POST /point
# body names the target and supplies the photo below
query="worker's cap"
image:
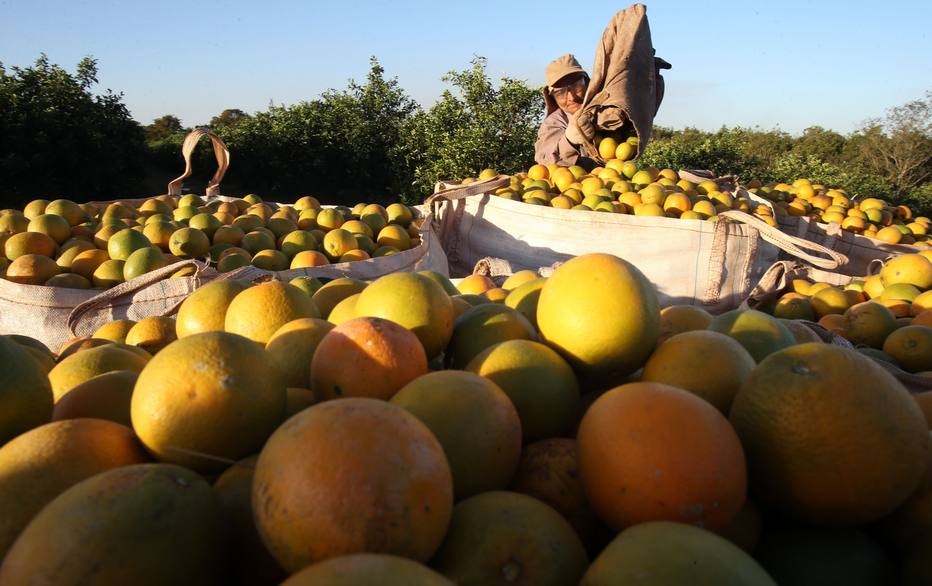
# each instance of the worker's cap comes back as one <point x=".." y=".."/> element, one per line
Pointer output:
<point x="562" y="67"/>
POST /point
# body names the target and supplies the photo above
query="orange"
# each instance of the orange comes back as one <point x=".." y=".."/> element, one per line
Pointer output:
<point x="708" y="364"/>
<point x="86" y="364"/>
<point x="890" y="235"/>
<point x="794" y="306"/>
<point x="68" y="210"/>
<point x="607" y="344"/>
<point x="500" y="537"/>
<point x="830" y="436"/>
<point x="759" y="333"/>
<point x="108" y="274"/>
<point x="524" y="298"/>
<point x="519" y="278"/>
<point x="40" y="464"/>
<point x="549" y="471"/>
<point x="69" y="250"/>
<point x="923" y="319"/>
<point x="292" y="347"/>
<point x="474" y="421"/>
<point x="251" y="560"/>
<point x="24" y="243"/>
<point x="298" y="241"/>
<point x="912" y="269"/>
<point x="868" y="324"/>
<point x="86" y="262"/>
<point x="206" y="399"/>
<point x="115" y="330"/>
<point x="367" y="568"/>
<point x="13" y="223"/>
<point x="189" y="243"/>
<point x="698" y="469"/>
<point x="32" y="269"/>
<point x="105" y="396"/>
<point x="307" y="259"/>
<point x="152" y="333"/>
<point x="335" y="291"/>
<point x="125" y="242"/>
<point x="676" y="319"/>
<point x="913" y="518"/>
<point x="103" y="517"/>
<point x="366" y="357"/>
<point x="921" y="303"/>
<point x="481" y="326"/>
<point x="327" y="484"/>
<point x="329" y="219"/>
<point x="258" y="239"/>
<point x="35" y="207"/>
<point x="143" y="260"/>
<point x="343" y="311"/>
<point x="661" y="552"/>
<point x="538" y="381"/>
<point x="271" y="260"/>
<point x="475" y="284"/>
<point x="56" y="227"/>
<point x="911" y="347"/>
<point x="206" y="223"/>
<point x="258" y="311"/>
<point x="829" y="300"/>
<point x="415" y="302"/>
<point x="25" y="391"/>
<point x="337" y="242"/>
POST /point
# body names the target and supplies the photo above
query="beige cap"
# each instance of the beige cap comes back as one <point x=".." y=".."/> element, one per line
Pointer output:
<point x="561" y="67"/>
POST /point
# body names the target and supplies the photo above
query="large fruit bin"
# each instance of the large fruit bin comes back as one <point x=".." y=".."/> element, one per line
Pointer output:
<point x="711" y="264"/>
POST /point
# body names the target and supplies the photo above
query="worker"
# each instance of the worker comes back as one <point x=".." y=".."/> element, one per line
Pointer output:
<point x="566" y="87"/>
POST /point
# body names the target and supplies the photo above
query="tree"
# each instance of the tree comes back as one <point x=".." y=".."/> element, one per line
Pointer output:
<point x="819" y="142"/>
<point x="479" y="127"/>
<point x="227" y="119"/>
<point x="58" y="139"/>
<point x="898" y="147"/>
<point x="164" y="128"/>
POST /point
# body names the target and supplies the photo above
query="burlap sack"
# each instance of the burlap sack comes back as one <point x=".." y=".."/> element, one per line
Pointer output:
<point x="778" y="279"/>
<point x="714" y="265"/>
<point x="860" y="250"/>
<point x="53" y="315"/>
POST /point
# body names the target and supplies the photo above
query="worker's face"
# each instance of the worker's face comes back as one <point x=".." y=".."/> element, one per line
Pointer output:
<point x="569" y="94"/>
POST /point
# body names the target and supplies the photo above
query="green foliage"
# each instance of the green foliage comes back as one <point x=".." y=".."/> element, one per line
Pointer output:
<point x="57" y="139"/>
<point x="855" y="179"/>
<point x="722" y="153"/>
<point x="480" y="126"/>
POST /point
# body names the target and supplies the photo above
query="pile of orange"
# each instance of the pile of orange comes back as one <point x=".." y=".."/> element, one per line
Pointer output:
<point x="413" y="429"/>
<point x="95" y="246"/>
<point x="870" y="216"/>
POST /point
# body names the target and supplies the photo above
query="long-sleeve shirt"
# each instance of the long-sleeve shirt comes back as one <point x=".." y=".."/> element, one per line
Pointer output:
<point x="552" y="146"/>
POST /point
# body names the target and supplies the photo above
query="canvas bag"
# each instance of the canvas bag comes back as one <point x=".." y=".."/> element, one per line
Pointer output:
<point x="714" y="265"/>
<point x="778" y="279"/>
<point x="860" y="250"/>
<point x="53" y="315"/>
<point x="626" y="85"/>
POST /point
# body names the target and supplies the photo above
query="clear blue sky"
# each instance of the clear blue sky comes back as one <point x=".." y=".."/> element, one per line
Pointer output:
<point x="788" y="65"/>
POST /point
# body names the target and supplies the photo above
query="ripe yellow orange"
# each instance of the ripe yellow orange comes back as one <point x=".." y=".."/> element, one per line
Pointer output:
<point x="23" y="243"/>
<point x="394" y="235"/>
<point x="607" y="147"/>
<point x="474" y="421"/>
<point x="338" y="242"/>
<point x="115" y="330"/>
<point x="830" y="436"/>
<point x="108" y="274"/>
<point x="152" y="333"/>
<point x="86" y="364"/>
<point x="538" y="381"/>
<point x="699" y="468"/>
<point x="32" y="269"/>
<point x="189" y="243"/>
<point x="258" y="311"/>
<point x="415" y="302"/>
<point x="271" y="260"/>
<point x="614" y="331"/>
<point x="125" y="242"/>
<point x="291" y="349"/>
<point x="868" y="324"/>
<point x="54" y="226"/>
<point x="143" y="260"/>
<point x="105" y="396"/>
<point x="24" y="389"/>
<point x="332" y="293"/>
<point x="366" y="357"/>
<point x="911" y="347"/>
<point x="911" y="269"/>
<point x="482" y="326"/>
<point x="68" y="210"/>
<point x="40" y="464"/>
<point x="206" y="399"/>
<point x="307" y="259"/>
<point x="675" y="319"/>
<point x="706" y="363"/>
<point x="760" y="333"/>
<point x="340" y="460"/>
